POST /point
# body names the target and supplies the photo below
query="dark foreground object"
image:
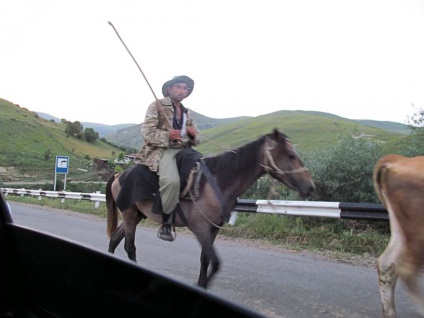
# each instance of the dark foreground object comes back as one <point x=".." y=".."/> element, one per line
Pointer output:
<point x="46" y="276"/>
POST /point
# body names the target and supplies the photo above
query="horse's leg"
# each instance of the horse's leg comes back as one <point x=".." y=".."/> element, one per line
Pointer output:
<point x="116" y="238"/>
<point x="131" y="218"/>
<point x="208" y="256"/>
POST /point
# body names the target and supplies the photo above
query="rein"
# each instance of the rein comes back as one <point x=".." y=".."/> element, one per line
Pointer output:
<point x="204" y="215"/>
<point x="217" y="191"/>
<point x="268" y="159"/>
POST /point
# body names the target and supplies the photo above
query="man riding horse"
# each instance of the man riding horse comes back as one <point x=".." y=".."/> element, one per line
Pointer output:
<point x="167" y="129"/>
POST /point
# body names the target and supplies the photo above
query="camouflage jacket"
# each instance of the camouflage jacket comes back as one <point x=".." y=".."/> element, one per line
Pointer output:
<point x="155" y="131"/>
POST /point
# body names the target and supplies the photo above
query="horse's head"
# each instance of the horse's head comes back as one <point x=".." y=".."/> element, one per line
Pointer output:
<point x="283" y="163"/>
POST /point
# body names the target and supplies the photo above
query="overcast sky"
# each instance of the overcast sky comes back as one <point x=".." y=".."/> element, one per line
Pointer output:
<point x="359" y="59"/>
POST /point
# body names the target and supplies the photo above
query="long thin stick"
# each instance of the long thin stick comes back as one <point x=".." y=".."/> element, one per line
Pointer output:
<point x="158" y="104"/>
<point x="133" y="59"/>
<point x="157" y="101"/>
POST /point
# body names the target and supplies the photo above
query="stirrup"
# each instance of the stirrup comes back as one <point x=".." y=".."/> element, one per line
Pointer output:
<point x="165" y="233"/>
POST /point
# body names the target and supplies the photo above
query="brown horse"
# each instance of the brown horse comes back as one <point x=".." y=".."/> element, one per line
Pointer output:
<point x="234" y="172"/>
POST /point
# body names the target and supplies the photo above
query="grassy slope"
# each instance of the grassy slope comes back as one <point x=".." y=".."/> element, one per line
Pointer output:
<point x="26" y="137"/>
<point x="307" y="130"/>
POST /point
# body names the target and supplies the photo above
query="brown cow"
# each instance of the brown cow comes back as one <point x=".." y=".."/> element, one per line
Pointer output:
<point x="399" y="183"/>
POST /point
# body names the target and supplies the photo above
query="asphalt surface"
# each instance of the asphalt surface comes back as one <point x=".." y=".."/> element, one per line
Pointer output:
<point x="274" y="281"/>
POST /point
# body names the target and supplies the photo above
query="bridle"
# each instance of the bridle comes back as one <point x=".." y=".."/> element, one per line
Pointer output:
<point x="268" y="160"/>
<point x="269" y="164"/>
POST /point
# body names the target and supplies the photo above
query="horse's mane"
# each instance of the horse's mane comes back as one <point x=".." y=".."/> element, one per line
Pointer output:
<point x="240" y="160"/>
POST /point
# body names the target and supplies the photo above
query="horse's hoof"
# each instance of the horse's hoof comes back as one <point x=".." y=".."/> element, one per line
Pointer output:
<point x="165" y="233"/>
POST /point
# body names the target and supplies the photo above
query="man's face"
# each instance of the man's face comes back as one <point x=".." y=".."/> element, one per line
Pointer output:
<point x="178" y="91"/>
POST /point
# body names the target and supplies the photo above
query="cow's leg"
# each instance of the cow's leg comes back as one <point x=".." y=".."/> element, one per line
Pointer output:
<point x="409" y="269"/>
<point x="387" y="274"/>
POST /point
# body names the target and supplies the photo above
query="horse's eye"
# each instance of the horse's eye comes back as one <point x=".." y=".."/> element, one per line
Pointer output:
<point x="292" y="156"/>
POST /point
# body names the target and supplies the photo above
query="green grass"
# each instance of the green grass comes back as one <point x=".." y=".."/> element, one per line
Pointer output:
<point x="309" y="131"/>
<point x="314" y="234"/>
<point x="26" y="138"/>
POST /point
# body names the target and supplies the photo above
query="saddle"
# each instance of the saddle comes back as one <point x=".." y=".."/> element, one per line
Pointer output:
<point x="140" y="183"/>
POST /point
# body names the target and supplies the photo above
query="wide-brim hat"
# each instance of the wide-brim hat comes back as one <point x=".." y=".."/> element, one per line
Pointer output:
<point x="178" y="79"/>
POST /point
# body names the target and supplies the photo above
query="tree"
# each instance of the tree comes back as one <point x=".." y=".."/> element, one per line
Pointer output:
<point x="343" y="173"/>
<point x="120" y="157"/>
<point x="414" y="144"/>
<point x="74" y="129"/>
<point x="90" y="135"/>
<point x="47" y="154"/>
<point x="416" y="122"/>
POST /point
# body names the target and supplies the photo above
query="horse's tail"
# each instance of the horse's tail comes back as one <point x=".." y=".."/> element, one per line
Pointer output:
<point x="112" y="211"/>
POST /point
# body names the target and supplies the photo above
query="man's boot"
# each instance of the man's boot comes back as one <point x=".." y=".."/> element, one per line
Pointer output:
<point x="165" y="230"/>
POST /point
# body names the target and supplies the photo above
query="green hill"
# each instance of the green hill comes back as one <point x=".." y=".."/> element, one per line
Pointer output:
<point x="307" y="130"/>
<point x="26" y="137"/>
<point x="30" y="145"/>
<point x="130" y="136"/>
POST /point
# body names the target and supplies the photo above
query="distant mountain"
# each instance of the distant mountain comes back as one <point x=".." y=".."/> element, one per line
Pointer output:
<point x="102" y="129"/>
<point x="130" y="136"/>
<point x="203" y="122"/>
<point x="105" y="130"/>
<point x="386" y="125"/>
<point x="48" y="117"/>
<point x="311" y="125"/>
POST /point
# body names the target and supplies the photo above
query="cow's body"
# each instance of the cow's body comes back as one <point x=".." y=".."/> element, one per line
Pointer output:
<point x="399" y="183"/>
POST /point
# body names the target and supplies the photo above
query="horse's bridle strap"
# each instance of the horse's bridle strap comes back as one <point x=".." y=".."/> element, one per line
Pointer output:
<point x="274" y="168"/>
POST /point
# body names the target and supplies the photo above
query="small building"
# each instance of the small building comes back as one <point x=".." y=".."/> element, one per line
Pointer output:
<point x="101" y="163"/>
<point x="131" y="158"/>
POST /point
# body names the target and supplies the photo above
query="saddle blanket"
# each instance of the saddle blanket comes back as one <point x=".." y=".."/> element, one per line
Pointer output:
<point x="140" y="183"/>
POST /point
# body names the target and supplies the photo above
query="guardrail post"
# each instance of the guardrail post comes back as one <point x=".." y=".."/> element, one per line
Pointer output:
<point x="233" y="218"/>
<point x="97" y="204"/>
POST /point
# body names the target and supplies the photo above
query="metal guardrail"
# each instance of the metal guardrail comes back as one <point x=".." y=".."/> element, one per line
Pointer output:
<point x="57" y="194"/>
<point x="340" y="210"/>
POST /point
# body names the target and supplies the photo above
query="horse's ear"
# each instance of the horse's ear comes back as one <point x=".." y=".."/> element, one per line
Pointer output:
<point x="277" y="136"/>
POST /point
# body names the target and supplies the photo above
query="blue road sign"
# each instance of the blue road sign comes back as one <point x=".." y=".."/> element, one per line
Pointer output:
<point x="62" y="164"/>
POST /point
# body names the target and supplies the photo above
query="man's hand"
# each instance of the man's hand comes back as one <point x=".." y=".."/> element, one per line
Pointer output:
<point x="192" y="132"/>
<point x="175" y="135"/>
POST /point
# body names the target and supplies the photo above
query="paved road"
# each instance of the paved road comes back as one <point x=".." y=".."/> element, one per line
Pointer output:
<point x="273" y="281"/>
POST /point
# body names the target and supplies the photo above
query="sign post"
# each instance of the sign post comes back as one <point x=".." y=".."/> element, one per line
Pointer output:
<point x="62" y="166"/>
